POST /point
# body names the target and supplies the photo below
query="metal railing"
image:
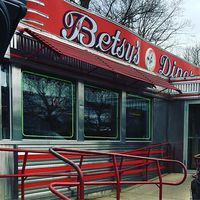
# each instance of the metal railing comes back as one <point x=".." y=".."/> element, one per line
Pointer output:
<point x="192" y="87"/>
<point x="187" y="86"/>
<point x="118" y="171"/>
<point x="80" y="179"/>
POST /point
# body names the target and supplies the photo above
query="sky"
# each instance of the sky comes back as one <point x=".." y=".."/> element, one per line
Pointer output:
<point x="191" y="11"/>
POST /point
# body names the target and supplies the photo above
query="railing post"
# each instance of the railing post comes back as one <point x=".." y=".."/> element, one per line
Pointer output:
<point x="160" y="179"/>
<point x="118" y="188"/>
<point x="120" y="167"/>
<point x="23" y="172"/>
<point x="80" y="178"/>
<point x="146" y="166"/>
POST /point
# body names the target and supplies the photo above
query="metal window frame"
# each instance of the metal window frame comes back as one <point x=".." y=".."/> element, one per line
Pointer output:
<point x="80" y="111"/>
<point x="186" y="127"/>
<point x="1" y="134"/>
<point x="16" y="102"/>
<point x="72" y="102"/>
<point x="117" y="137"/>
<point x="150" y="124"/>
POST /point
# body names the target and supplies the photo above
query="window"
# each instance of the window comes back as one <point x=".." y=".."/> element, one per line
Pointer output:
<point x="101" y="113"/>
<point x="138" y="112"/>
<point x="5" y="115"/>
<point x="47" y="107"/>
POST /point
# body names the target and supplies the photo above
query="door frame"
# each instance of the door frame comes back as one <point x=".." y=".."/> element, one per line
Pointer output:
<point x="186" y="124"/>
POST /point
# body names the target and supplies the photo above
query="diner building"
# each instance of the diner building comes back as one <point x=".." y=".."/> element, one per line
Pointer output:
<point x="74" y="79"/>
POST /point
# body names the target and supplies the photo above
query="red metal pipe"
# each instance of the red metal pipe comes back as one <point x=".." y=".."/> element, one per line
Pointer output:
<point x="118" y="170"/>
<point x="147" y="164"/>
<point x="57" y="193"/>
<point x="76" y="167"/>
<point x="118" y="190"/>
<point x="23" y="177"/>
<point x="167" y="144"/>
<point x="160" y="179"/>
<point x="157" y="160"/>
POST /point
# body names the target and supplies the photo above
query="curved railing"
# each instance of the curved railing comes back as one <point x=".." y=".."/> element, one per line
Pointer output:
<point x="79" y="180"/>
<point x="118" y="170"/>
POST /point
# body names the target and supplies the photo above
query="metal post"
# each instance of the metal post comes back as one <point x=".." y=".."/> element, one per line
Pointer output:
<point x="160" y="179"/>
<point x="118" y="189"/>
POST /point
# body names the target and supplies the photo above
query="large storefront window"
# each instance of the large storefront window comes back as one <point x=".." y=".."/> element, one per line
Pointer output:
<point x="47" y="107"/>
<point x="138" y="112"/>
<point x="101" y="113"/>
<point x="5" y="110"/>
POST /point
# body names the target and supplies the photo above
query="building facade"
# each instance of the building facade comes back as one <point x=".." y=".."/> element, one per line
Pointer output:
<point x="69" y="80"/>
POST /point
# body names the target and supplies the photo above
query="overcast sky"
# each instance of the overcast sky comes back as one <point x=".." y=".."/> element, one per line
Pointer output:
<point x="192" y="12"/>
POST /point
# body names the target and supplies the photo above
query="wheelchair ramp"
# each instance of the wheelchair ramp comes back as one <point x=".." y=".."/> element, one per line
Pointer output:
<point x="150" y="192"/>
<point x="80" y="169"/>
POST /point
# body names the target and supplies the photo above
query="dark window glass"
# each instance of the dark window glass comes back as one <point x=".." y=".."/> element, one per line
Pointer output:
<point x="137" y="117"/>
<point x="101" y="113"/>
<point x="47" y="107"/>
<point x="193" y="134"/>
<point x="5" y="102"/>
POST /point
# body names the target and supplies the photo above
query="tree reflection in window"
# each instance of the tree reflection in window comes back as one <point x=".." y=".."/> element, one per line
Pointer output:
<point x="137" y="117"/>
<point x="47" y="107"/>
<point x="101" y="113"/>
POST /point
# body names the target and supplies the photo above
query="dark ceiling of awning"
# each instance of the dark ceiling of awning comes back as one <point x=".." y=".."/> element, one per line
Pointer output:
<point x="100" y="61"/>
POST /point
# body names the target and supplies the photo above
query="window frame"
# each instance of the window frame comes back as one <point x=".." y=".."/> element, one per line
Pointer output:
<point x="26" y="136"/>
<point x="117" y="137"/>
<point x="150" y="118"/>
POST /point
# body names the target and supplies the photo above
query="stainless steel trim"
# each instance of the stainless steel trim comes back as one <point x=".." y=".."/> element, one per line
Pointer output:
<point x="123" y="117"/>
<point x="16" y="103"/>
<point x="32" y="21"/>
<point x="185" y="138"/>
<point x="10" y="100"/>
<point x="37" y="2"/>
<point x="80" y="111"/>
<point x="38" y="13"/>
<point x="186" y="124"/>
<point x="8" y="186"/>
<point x="1" y="134"/>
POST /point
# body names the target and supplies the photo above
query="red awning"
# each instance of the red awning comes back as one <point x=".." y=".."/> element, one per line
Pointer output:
<point x="101" y="62"/>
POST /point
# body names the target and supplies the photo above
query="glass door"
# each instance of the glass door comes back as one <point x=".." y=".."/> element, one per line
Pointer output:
<point x="193" y="134"/>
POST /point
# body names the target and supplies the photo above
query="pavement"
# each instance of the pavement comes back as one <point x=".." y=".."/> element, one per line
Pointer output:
<point x="151" y="192"/>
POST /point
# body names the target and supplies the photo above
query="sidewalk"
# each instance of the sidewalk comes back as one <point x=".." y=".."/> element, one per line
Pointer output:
<point x="151" y="192"/>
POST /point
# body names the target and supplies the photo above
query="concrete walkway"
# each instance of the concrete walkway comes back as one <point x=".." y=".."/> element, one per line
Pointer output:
<point x="151" y="192"/>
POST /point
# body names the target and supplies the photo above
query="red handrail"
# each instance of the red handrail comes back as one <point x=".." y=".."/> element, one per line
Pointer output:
<point x="23" y="175"/>
<point x="81" y="182"/>
<point x="149" y="147"/>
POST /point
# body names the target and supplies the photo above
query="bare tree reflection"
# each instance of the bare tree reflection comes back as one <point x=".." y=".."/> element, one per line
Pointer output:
<point x="100" y="112"/>
<point x="47" y="106"/>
